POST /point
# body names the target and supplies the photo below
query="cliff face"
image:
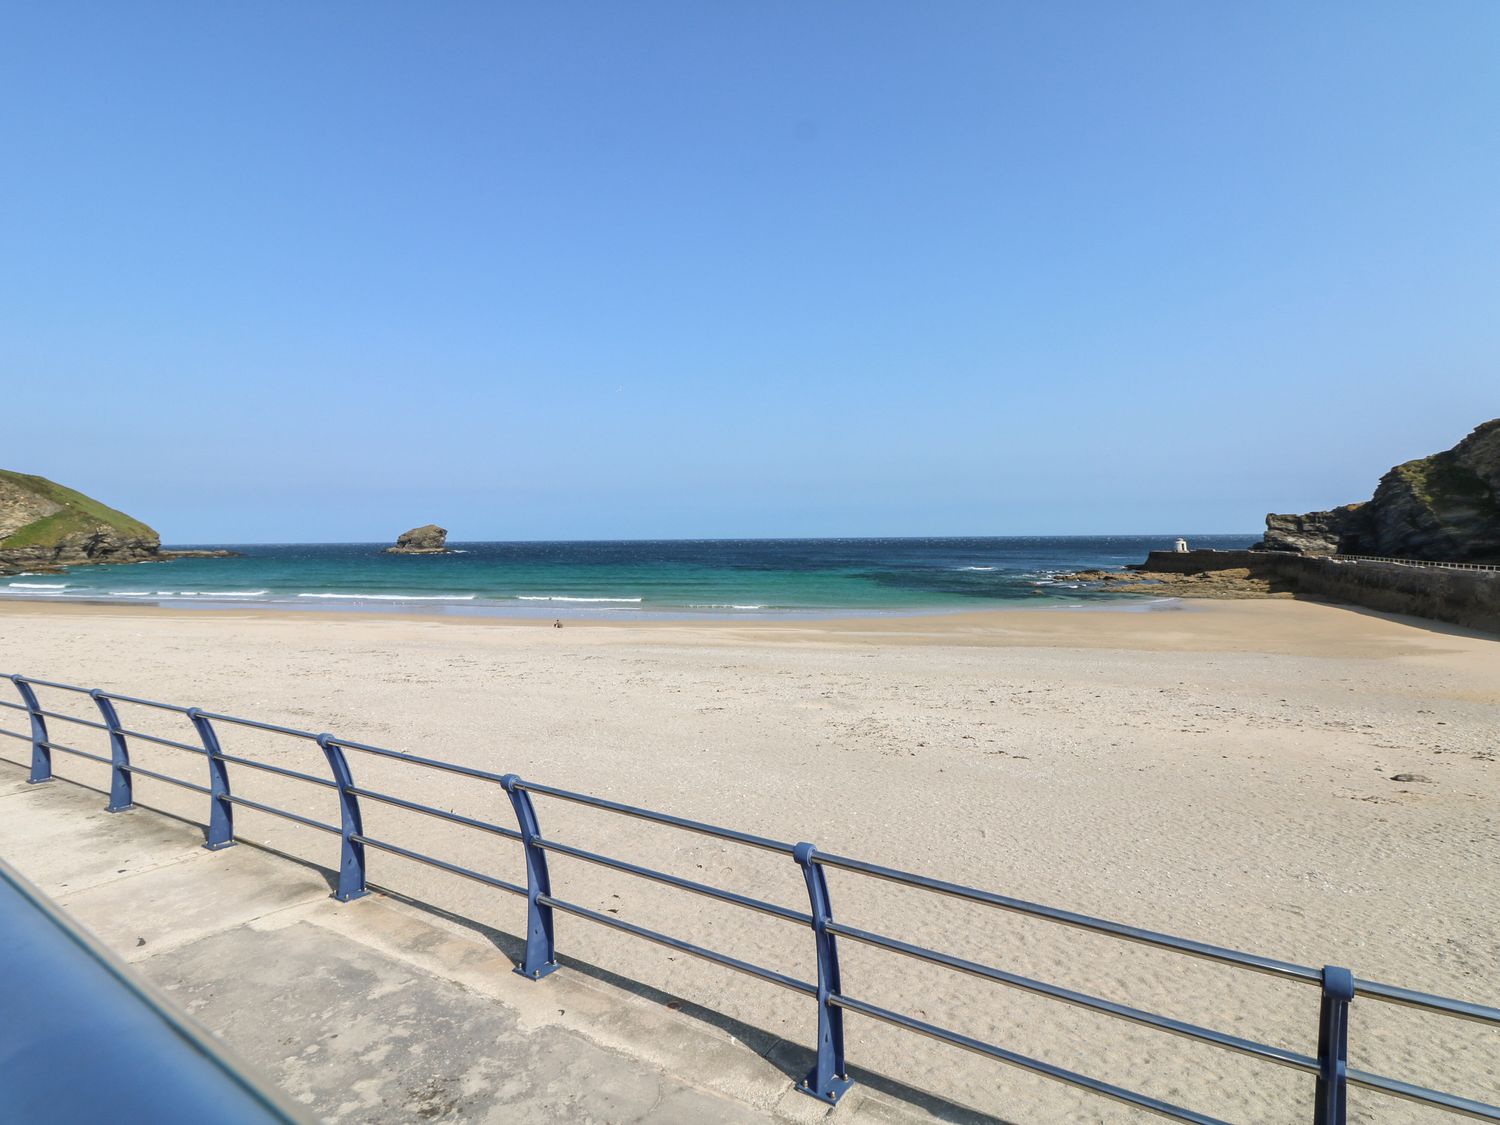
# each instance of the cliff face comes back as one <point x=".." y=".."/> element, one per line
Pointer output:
<point x="1445" y="508"/>
<point x="44" y="525"/>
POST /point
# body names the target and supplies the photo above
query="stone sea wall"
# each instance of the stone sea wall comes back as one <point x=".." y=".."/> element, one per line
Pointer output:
<point x="1470" y="598"/>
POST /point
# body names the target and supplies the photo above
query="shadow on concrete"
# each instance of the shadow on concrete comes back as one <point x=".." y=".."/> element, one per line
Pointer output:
<point x="791" y="1059"/>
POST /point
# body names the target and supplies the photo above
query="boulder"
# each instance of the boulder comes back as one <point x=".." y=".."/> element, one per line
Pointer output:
<point x="429" y="539"/>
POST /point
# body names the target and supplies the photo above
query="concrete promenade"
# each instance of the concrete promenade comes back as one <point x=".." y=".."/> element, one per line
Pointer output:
<point x="381" y="1010"/>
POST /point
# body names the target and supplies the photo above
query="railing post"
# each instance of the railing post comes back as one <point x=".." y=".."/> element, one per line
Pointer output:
<point x="121" y="792"/>
<point x="352" y="852"/>
<point x="41" y="753"/>
<point x="541" y="952"/>
<point x="828" y="1078"/>
<point x="220" y="811"/>
<point x="1333" y="1047"/>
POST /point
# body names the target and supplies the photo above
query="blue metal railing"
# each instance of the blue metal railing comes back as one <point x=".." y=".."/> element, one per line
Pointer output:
<point x="829" y="1077"/>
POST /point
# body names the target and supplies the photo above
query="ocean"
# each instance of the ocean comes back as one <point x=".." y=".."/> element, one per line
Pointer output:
<point x="689" y="578"/>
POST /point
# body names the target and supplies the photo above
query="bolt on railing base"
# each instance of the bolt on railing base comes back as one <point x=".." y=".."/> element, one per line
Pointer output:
<point x="119" y="808"/>
<point x="354" y="896"/>
<point x="536" y="974"/>
<point x="219" y="847"/>
<point x="831" y="1094"/>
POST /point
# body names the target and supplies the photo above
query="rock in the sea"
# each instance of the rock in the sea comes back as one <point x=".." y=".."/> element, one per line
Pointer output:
<point x="1444" y="508"/>
<point x="429" y="539"/>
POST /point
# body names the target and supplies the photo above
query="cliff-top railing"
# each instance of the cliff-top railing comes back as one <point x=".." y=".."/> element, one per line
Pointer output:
<point x="829" y="1076"/>
<point x="1412" y="562"/>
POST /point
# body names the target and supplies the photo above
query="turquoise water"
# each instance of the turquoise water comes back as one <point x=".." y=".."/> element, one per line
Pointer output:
<point x="708" y="577"/>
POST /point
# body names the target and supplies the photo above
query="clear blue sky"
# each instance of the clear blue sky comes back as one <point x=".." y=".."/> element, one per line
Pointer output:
<point x="291" y="271"/>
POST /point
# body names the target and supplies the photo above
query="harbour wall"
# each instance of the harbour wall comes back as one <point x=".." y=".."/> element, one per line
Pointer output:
<point x="1470" y="598"/>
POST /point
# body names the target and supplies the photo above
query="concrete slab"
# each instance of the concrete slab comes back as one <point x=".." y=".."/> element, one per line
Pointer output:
<point x="61" y="837"/>
<point x="385" y="1009"/>
<point x="362" y="1037"/>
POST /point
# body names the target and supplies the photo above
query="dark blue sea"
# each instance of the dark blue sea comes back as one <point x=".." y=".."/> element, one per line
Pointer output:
<point x="713" y="577"/>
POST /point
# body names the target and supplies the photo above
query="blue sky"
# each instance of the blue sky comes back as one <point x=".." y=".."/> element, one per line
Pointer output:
<point x="284" y="271"/>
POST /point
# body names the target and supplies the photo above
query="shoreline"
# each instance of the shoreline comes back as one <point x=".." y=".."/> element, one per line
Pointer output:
<point x="1273" y="626"/>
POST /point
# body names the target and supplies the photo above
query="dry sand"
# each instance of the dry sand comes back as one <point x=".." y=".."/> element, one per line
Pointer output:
<point x="1218" y="771"/>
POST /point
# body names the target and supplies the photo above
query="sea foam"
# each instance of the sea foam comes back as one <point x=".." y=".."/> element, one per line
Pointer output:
<point x="39" y="585"/>
<point x="562" y="598"/>
<point x="397" y="597"/>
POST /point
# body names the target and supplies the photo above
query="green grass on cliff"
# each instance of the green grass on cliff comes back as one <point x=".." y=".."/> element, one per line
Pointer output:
<point x="79" y="514"/>
<point x="1439" y="480"/>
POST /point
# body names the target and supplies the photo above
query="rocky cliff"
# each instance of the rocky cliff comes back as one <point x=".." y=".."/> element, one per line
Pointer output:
<point x="1445" y="508"/>
<point x="44" y="525"/>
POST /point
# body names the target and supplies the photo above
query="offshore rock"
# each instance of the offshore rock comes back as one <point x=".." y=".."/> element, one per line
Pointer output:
<point x="429" y="539"/>
<point x="1442" y="508"/>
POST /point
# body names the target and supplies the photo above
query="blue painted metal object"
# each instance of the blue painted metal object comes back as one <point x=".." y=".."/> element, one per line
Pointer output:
<point x="121" y="791"/>
<point x="829" y="1077"/>
<point x="65" y="996"/>
<point x="351" y="825"/>
<point x="1333" y="1047"/>
<point x="220" y="832"/>
<point x="41" y="745"/>
<point x="541" y="955"/>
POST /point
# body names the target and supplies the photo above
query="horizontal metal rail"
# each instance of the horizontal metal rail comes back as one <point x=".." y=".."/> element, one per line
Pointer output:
<point x="1423" y="1096"/>
<point x="1082" y="1000"/>
<point x="112" y="697"/>
<point x="157" y="740"/>
<point x="143" y="772"/>
<point x="1462" y="1009"/>
<point x="1259" y="964"/>
<point x="255" y="724"/>
<point x="76" y="753"/>
<point x="757" y="971"/>
<point x="828" y="1079"/>
<point x="442" y="864"/>
<point x="1036" y="1066"/>
<point x="441" y="814"/>
<point x="279" y="771"/>
<point x="660" y="818"/>
<point x="430" y="763"/>
<point x="1417" y="562"/>
<point x="677" y="881"/>
<point x="69" y="719"/>
<point x="274" y="811"/>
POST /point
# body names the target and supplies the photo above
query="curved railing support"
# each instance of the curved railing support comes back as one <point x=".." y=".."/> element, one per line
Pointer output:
<point x="41" y="753"/>
<point x="1333" y="1047"/>
<point x="121" y="792"/>
<point x="541" y="952"/>
<point x="220" y="810"/>
<point x="351" y="824"/>
<point x="829" y="1077"/>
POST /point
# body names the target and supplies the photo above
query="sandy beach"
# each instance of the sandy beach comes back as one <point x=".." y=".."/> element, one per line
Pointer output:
<point x="1220" y="771"/>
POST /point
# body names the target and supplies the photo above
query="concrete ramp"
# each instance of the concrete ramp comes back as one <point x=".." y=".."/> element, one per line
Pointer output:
<point x="381" y="1010"/>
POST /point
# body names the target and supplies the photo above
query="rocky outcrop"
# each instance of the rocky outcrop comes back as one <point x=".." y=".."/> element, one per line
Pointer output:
<point x="45" y="526"/>
<point x="1316" y="533"/>
<point x="1443" y="508"/>
<point x="430" y="539"/>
